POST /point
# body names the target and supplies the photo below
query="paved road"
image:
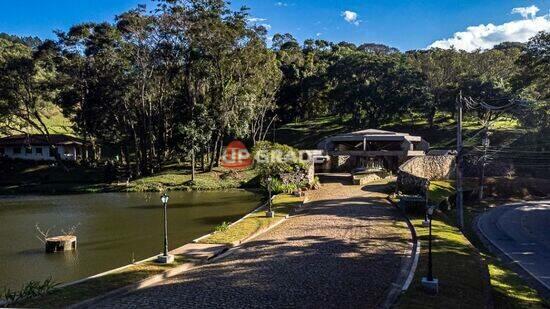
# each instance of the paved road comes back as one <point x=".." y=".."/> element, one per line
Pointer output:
<point x="522" y="231"/>
<point x="344" y="250"/>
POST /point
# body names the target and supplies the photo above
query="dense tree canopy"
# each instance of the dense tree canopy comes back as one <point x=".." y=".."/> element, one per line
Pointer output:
<point x="177" y="81"/>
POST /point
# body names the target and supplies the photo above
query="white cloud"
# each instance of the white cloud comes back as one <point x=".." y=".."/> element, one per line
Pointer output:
<point x="266" y="26"/>
<point x="526" y="12"/>
<point x="255" y="19"/>
<point x="351" y="17"/>
<point x="319" y="34"/>
<point x="487" y="36"/>
<point x="281" y="4"/>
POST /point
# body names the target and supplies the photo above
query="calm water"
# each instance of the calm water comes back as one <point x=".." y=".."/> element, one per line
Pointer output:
<point x="114" y="228"/>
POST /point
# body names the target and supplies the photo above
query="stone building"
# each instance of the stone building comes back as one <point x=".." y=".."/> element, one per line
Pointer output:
<point x="368" y="150"/>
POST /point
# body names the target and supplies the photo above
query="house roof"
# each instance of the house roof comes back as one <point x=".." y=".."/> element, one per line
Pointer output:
<point x="373" y="135"/>
<point x="371" y="132"/>
<point x="369" y="135"/>
<point x="40" y="139"/>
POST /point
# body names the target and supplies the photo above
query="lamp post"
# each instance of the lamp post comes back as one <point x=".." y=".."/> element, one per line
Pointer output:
<point x="165" y="258"/>
<point x="426" y="221"/>
<point x="270" y="213"/>
<point x="430" y="284"/>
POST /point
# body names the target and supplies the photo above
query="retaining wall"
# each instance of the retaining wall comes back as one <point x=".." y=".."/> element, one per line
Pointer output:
<point x="413" y="176"/>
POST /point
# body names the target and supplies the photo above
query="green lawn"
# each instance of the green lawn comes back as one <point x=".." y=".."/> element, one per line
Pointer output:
<point x="282" y="205"/>
<point x="509" y="290"/>
<point x="181" y="180"/>
<point x="306" y="134"/>
<point x="440" y="190"/>
<point x="457" y="265"/>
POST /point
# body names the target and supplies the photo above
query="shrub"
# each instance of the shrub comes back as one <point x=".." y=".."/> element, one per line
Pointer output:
<point x="283" y="164"/>
<point x="30" y="290"/>
<point x="222" y="227"/>
<point x="278" y="186"/>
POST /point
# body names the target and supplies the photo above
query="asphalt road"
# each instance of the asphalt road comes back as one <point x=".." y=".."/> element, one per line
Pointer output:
<point x="522" y="232"/>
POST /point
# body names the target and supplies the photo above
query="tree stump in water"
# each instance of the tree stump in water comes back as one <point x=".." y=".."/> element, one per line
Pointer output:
<point x="60" y="243"/>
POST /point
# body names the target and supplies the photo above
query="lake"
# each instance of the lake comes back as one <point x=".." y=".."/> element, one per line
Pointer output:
<point x="113" y="229"/>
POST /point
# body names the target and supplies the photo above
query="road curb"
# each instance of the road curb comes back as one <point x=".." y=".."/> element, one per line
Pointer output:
<point x="408" y="267"/>
<point x="493" y="245"/>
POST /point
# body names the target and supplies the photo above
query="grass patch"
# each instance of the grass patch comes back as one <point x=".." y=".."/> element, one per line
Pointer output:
<point x="218" y="179"/>
<point x="73" y="294"/>
<point x="509" y="290"/>
<point x="53" y="118"/>
<point x="306" y="134"/>
<point x="282" y="205"/>
<point x="440" y="190"/>
<point x="457" y="265"/>
<point x="41" y="178"/>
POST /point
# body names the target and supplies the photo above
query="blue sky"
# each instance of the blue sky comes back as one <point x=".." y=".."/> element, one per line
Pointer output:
<point x="406" y="24"/>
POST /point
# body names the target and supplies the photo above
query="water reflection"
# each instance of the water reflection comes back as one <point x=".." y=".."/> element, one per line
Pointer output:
<point x="114" y="229"/>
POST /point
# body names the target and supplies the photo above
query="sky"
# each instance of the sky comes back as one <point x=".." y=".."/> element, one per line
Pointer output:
<point x="407" y="24"/>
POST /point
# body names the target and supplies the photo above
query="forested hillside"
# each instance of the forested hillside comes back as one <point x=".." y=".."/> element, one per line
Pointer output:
<point x="179" y="81"/>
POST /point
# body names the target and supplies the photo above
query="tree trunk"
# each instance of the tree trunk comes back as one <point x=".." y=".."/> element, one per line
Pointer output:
<point x="192" y="162"/>
<point x="213" y="157"/>
<point x="219" y="152"/>
<point x="431" y="116"/>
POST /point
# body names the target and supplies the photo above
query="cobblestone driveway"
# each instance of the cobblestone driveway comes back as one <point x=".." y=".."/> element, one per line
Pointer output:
<point x="343" y="250"/>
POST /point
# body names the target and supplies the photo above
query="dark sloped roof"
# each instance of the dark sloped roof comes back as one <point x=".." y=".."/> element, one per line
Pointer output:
<point x="40" y="139"/>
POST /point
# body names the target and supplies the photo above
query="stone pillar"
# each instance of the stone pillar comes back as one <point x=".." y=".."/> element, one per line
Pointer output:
<point x="60" y="243"/>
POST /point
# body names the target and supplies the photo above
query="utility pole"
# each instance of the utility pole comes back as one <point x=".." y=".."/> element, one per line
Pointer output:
<point x="459" y="163"/>
<point x="483" y="161"/>
<point x="490" y="113"/>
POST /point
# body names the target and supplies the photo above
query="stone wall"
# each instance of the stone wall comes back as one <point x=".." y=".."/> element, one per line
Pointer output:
<point x="410" y="184"/>
<point x="430" y="167"/>
<point x="413" y="176"/>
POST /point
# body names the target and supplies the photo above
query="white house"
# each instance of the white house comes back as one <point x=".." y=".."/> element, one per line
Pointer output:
<point x="35" y="147"/>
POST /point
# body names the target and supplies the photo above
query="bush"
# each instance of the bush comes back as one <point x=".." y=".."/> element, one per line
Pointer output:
<point x="277" y="186"/>
<point x="283" y="164"/>
<point x="222" y="227"/>
<point x="30" y="290"/>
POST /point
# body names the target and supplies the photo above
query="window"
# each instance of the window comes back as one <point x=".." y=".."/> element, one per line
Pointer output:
<point x="39" y="150"/>
<point x="16" y="150"/>
<point x="52" y="152"/>
<point x="2" y="151"/>
<point x="28" y="150"/>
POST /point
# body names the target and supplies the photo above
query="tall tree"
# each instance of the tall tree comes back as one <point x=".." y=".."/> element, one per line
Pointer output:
<point x="374" y="89"/>
<point x="27" y="88"/>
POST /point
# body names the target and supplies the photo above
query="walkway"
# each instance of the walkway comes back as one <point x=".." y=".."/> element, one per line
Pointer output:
<point x="522" y="232"/>
<point x="343" y="250"/>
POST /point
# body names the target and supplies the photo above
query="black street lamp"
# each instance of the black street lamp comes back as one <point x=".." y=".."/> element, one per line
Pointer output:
<point x="165" y="258"/>
<point x="430" y="267"/>
<point x="270" y="212"/>
<point x="430" y="284"/>
<point x="426" y="221"/>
